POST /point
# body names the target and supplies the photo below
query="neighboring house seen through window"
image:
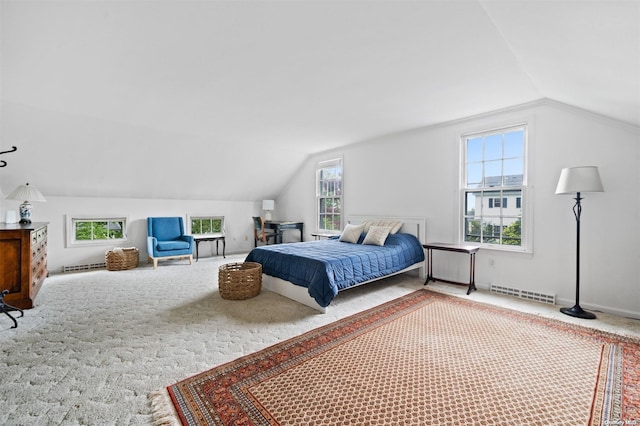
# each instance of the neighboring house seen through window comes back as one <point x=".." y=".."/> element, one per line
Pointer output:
<point x="329" y="195"/>
<point x="493" y="187"/>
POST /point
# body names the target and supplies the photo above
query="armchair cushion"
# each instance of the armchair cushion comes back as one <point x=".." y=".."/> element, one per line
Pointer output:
<point x="172" y="245"/>
<point x="166" y="228"/>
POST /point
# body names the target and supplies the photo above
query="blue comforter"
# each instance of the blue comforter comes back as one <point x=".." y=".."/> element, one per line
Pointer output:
<point x="328" y="266"/>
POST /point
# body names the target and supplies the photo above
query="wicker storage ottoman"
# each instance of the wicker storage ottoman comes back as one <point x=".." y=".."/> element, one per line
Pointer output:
<point x="120" y="259"/>
<point x="238" y="281"/>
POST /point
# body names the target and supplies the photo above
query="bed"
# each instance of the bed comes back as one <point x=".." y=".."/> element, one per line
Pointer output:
<point x="313" y="272"/>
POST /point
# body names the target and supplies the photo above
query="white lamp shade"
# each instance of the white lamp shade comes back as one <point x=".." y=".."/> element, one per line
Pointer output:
<point x="26" y="193"/>
<point x="579" y="179"/>
<point x="268" y="204"/>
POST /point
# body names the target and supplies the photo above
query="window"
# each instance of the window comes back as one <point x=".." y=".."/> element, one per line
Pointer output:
<point x="201" y="225"/>
<point x="497" y="202"/>
<point x="493" y="187"/>
<point x="96" y="230"/>
<point x="329" y="195"/>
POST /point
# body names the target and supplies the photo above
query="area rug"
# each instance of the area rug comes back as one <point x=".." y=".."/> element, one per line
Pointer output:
<point x="425" y="358"/>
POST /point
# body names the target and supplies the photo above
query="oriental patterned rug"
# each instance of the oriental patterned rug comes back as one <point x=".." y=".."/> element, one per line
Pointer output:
<point x="425" y="358"/>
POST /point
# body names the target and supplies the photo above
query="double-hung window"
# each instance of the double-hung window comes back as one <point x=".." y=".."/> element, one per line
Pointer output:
<point x="329" y="195"/>
<point x="493" y="188"/>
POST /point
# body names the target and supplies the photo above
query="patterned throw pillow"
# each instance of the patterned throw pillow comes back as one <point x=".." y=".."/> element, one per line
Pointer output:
<point x="377" y="235"/>
<point x="351" y="233"/>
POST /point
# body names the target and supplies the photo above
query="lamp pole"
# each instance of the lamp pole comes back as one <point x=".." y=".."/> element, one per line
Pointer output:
<point x="575" y="180"/>
<point x="576" y="310"/>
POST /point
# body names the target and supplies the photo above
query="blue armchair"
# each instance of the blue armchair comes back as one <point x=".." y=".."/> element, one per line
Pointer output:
<point x="166" y="240"/>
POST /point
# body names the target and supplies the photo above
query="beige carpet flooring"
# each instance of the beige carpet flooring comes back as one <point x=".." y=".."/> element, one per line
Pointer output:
<point x="99" y="342"/>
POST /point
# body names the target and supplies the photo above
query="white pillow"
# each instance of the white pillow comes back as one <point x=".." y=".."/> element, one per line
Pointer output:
<point x="351" y="233"/>
<point x="394" y="225"/>
<point x="377" y="235"/>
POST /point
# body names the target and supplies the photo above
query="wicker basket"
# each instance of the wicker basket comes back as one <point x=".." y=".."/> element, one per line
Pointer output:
<point x="238" y="281"/>
<point x="121" y="259"/>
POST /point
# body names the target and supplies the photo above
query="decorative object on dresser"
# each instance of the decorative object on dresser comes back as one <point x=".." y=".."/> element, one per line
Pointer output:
<point x="10" y="216"/>
<point x="26" y="194"/>
<point x="23" y="264"/>
<point x="576" y="180"/>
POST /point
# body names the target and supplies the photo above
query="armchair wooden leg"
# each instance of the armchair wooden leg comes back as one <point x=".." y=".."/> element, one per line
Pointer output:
<point x="180" y="256"/>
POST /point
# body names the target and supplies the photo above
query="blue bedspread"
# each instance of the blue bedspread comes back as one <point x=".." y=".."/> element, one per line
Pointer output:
<point x="327" y="266"/>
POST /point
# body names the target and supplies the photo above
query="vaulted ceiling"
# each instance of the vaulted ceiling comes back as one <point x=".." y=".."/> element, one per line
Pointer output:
<point x="169" y="99"/>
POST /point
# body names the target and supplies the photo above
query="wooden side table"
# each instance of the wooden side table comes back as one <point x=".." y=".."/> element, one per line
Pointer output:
<point x="320" y="235"/>
<point x="214" y="237"/>
<point x="457" y="248"/>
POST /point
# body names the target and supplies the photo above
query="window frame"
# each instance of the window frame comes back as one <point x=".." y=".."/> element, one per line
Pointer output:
<point x="335" y="162"/>
<point x="190" y="218"/>
<point x="525" y="197"/>
<point x="71" y="221"/>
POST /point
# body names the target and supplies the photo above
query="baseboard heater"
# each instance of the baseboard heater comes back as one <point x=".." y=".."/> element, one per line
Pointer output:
<point x="87" y="267"/>
<point x="524" y="294"/>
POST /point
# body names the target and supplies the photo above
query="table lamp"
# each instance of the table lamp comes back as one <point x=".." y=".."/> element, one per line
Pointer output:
<point x="267" y="206"/>
<point x="27" y="194"/>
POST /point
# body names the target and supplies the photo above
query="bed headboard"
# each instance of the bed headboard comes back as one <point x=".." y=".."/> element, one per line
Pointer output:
<point x="410" y="225"/>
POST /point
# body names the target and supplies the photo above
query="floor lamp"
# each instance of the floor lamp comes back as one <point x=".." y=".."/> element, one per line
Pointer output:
<point x="576" y="180"/>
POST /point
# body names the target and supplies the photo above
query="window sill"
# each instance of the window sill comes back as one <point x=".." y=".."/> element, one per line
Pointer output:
<point x="94" y="243"/>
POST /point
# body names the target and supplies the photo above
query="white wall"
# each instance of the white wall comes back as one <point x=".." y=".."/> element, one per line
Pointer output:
<point x="238" y="224"/>
<point x="416" y="174"/>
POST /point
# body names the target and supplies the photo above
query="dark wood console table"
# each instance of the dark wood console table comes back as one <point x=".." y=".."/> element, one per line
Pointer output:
<point x="468" y="249"/>
<point x="279" y="226"/>
<point x="213" y="237"/>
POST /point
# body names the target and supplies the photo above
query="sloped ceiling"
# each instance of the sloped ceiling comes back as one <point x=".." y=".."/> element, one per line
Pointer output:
<point x="225" y="99"/>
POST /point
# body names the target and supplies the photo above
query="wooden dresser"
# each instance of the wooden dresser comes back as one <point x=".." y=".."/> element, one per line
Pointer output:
<point x="23" y="262"/>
